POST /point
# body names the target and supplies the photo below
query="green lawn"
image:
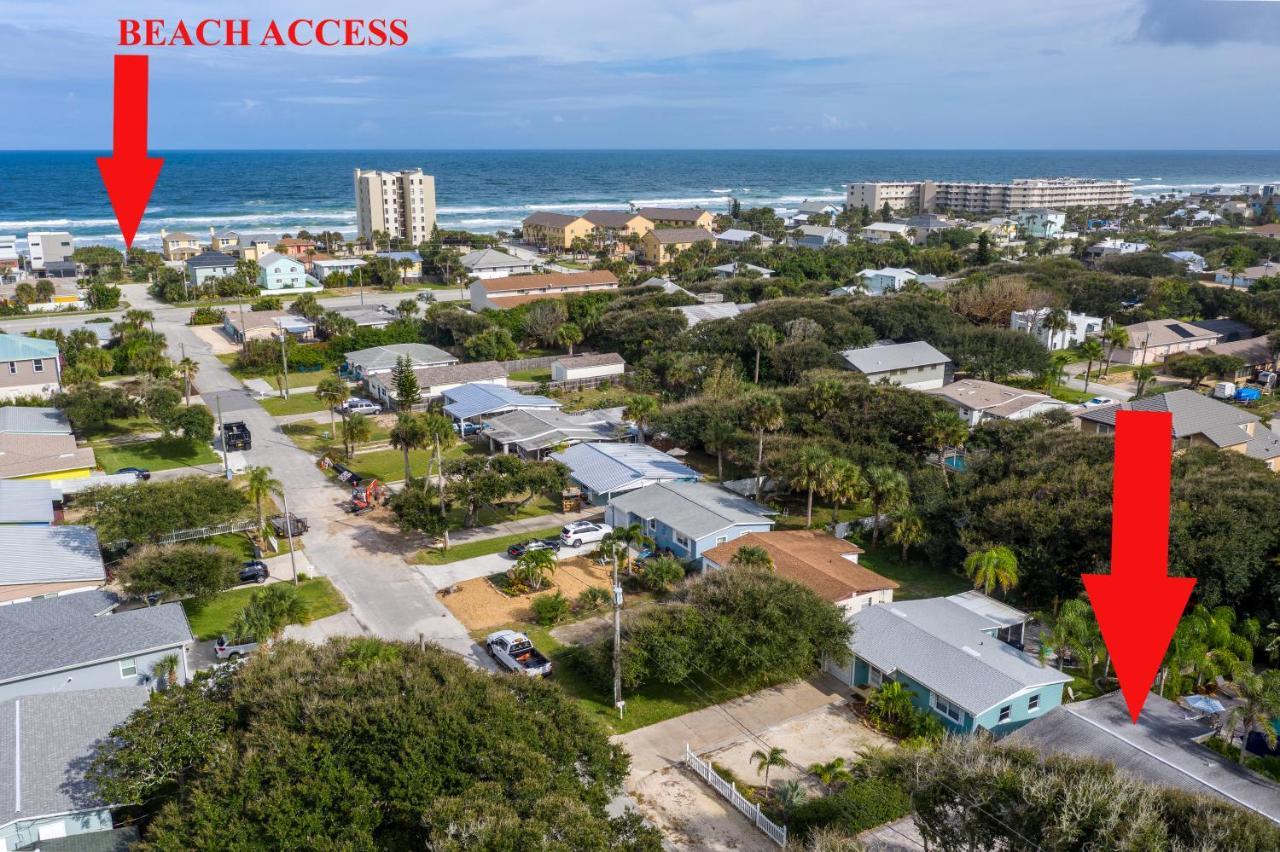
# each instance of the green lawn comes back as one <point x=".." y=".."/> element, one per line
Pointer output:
<point x="297" y="378"/>
<point x="211" y="621"/>
<point x="385" y="464"/>
<point x="588" y="400"/>
<point x="542" y="375"/>
<point x="160" y="454"/>
<point x="297" y="403"/>
<point x="237" y="543"/>
<point x="480" y="548"/>
<point x="917" y="578"/>
<point x="1059" y="392"/>
<point x="118" y="426"/>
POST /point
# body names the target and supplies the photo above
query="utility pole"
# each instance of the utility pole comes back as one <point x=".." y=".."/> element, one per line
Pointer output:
<point x="226" y="464"/>
<point x="360" y="285"/>
<point x="186" y="376"/>
<point x="617" y="639"/>
<point x="288" y="529"/>
<point x="244" y="330"/>
<point x="284" y="357"/>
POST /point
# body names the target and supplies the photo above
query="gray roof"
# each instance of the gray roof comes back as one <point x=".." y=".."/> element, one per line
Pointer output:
<point x="1231" y="330"/>
<point x="22" y="420"/>
<point x="27" y="501"/>
<point x="379" y="358"/>
<point x="492" y="259"/>
<point x="894" y="356"/>
<point x="737" y="268"/>
<point x="609" y="218"/>
<point x="672" y="214"/>
<point x="472" y="400"/>
<point x="210" y="259"/>
<point x="823" y="231"/>
<point x="674" y="236"/>
<point x="547" y="217"/>
<point x="75" y="630"/>
<point x="537" y="429"/>
<point x="808" y="206"/>
<point x="693" y="509"/>
<point x="604" y="468"/>
<point x="46" y="742"/>
<point x="1256" y="351"/>
<point x="695" y="314"/>
<point x="1160" y="748"/>
<point x="591" y="359"/>
<point x="1193" y="414"/>
<point x="456" y="374"/>
<point x="368" y="316"/>
<point x="949" y="649"/>
<point x="47" y="554"/>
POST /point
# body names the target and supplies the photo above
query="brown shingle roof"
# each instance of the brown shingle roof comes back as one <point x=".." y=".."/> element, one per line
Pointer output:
<point x="672" y="214"/>
<point x="670" y="236"/>
<point x="477" y="371"/>
<point x="294" y="241"/>
<point x="1256" y="351"/>
<point x="591" y="360"/>
<point x="546" y="217"/>
<point x="610" y="218"/>
<point x="812" y="558"/>
<point x="548" y="281"/>
<point x="31" y="455"/>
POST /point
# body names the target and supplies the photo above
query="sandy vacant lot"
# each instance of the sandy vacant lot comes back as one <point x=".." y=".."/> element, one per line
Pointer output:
<point x="218" y="342"/>
<point x="479" y="606"/>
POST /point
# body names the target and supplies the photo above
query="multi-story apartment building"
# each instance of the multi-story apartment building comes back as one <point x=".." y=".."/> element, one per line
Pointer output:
<point x="400" y="204"/>
<point x="48" y="247"/>
<point x="973" y="197"/>
<point x="558" y="230"/>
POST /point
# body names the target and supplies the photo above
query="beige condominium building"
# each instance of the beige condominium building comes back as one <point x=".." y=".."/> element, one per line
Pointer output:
<point x="971" y="197"/>
<point x="554" y="230"/>
<point x="401" y="204"/>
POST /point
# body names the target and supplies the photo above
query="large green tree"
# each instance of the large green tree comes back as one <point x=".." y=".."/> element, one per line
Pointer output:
<point x="195" y="571"/>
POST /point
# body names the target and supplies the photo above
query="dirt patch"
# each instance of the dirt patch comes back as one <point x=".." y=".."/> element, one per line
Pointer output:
<point x="218" y="342"/>
<point x="479" y="606"/>
<point x="583" y="632"/>
<point x="691" y="816"/>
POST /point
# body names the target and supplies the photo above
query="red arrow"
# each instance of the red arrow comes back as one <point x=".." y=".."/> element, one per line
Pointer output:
<point x="129" y="174"/>
<point x="1138" y="605"/>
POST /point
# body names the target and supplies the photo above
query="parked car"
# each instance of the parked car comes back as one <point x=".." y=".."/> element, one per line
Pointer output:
<point x="427" y="297"/>
<point x="358" y="405"/>
<point x="141" y="473"/>
<point x="466" y="428"/>
<point x="229" y="649"/>
<point x="1098" y="401"/>
<point x="582" y="532"/>
<point x="516" y="653"/>
<point x="515" y="551"/>
<point x="254" y="571"/>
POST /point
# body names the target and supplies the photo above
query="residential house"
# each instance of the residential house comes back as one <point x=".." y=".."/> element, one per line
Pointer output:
<point x="1043" y="223"/>
<point x="83" y="641"/>
<point x="1004" y="231"/>
<point x="678" y="217"/>
<point x="925" y="225"/>
<point x="1155" y="340"/>
<point x="914" y="365"/>
<point x="179" y="245"/>
<point x="891" y="279"/>
<point x="885" y="232"/>
<point x="480" y="399"/>
<point x="254" y="247"/>
<point x="1254" y="351"/>
<point x="531" y="433"/>
<point x="949" y="655"/>
<point x="977" y="401"/>
<point x="688" y="518"/>
<point x="1190" y="261"/>
<point x="818" y="236"/>
<point x="660" y="245"/>
<point x="408" y="263"/>
<point x="703" y="312"/>
<point x="1095" y="254"/>
<point x="33" y="420"/>
<point x="1272" y="230"/>
<point x="575" y="368"/>
<point x="740" y="237"/>
<point x="66" y="294"/>
<point x="810" y="209"/>
<point x="364" y="363"/>
<point x="46" y="744"/>
<point x="554" y="230"/>
<point x="223" y="241"/>
<point x="61" y="270"/>
<point x="266" y="325"/>
<point x="45" y="247"/>
<point x="501" y="293"/>
<point x="374" y="316"/>
<point x="491" y="263"/>
<point x="1228" y="330"/>
<point x="614" y="227"/>
<point x="48" y="456"/>
<point x="29" y="366"/>
<point x="604" y="471"/>
<point x="278" y="274"/>
<point x="1164" y="747"/>
<point x="296" y="246"/>
<point x="738" y="269"/>
<point x="1032" y="321"/>
<point x="29" y="501"/>
<point x="10" y="262"/>
<point x="436" y="381"/>
<point x="42" y="560"/>
<point x="1246" y="278"/>
<point x="325" y="267"/>
<point x="827" y="565"/>
<point x="666" y="285"/>
<point x="209" y="264"/>
<point x="1198" y="421"/>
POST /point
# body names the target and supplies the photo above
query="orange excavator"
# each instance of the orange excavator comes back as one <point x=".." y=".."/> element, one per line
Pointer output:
<point x="366" y="497"/>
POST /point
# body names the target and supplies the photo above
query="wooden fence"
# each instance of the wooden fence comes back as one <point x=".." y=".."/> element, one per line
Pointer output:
<point x="776" y="833"/>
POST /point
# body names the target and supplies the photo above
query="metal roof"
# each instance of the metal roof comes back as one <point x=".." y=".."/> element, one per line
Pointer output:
<point x="46" y="743"/>
<point x="695" y="314"/>
<point x="378" y="358"/>
<point x="75" y="630"/>
<point x="894" y="356"/>
<point x="472" y="400"/>
<point x="536" y="429"/>
<point x="46" y="554"/>
<point x="492" y="259"/>
<point x="27" y="501"/>
<point x="945" y="647"/>
<point x="210" y="259"/>
<point x="24" y="420"/>
<point x="15" y="347"/>
<point x="692" y="509"/>
<point x="605" y="468"/>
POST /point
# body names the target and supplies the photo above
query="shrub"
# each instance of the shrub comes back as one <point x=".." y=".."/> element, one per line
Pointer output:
<point x="591" y="599"/>
<point x="550" y="609"/>
<point x="267" y="303"/>
<point x="855" y="807"/>
<point x="206" y="315"/>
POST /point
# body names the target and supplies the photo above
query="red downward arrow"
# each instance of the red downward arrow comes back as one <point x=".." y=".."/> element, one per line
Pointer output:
<point x="129" y="174"/>
<point x="1138" y="605"/>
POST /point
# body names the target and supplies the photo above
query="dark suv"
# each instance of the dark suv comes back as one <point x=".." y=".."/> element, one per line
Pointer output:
<point x="254" y="572"/>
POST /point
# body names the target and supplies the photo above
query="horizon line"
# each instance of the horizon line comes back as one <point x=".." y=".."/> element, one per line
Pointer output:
<point x="1275" y="151"/>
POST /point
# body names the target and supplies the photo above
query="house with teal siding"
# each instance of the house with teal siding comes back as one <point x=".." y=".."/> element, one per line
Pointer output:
<point x="688" y="518"/>
<point x="280" y="273"/>
<point x="956" y="658"/>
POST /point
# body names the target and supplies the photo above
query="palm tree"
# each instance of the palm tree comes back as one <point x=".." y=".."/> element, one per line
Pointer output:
<point x="833" y="772"/>
<point x="887" y="490"/>
<point x="99" y="360"/>
<point x="1115" y="337"/>
<point x="440" y="433"/>
<point x="750" y="557"/>
<point x="1058" y="362"/>
<point x="269" y="612"/>
<point x="634" y="538"/>
<point x="532" y="568"/>
<point x="844" y="485"/>
<point x="717" y="437"/>
<point x="1259" y="707"/>
<point x="259" y="485"/>
<point x="165" y="670"/>
<point x="946" y="429"/>
<point x="641" y="409"/>
<point x="356" y="429"/>
<point x="907" y="531"/>
<point x="1141" y="376"/>
<point x="408" y="434"/>
<point x="188" y="367"/>
<point x="1208" y="644"/>
<point x="764" y="415"/>
<point x="766" y="760"/>
<point x="995" y="566"/>
<point x="789" y="795"/>
<point x="890" y="703"/>
<point x="568" y="335"/>
<point x="1091" y="349"/>
<point x="809" y="469"/>
<point x="762" y="337"/>
<point x="333" y="392"/>
<point x="1056" y="321"/>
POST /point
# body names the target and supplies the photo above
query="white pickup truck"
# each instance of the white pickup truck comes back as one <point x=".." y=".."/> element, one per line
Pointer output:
<point x="516" y="653"/>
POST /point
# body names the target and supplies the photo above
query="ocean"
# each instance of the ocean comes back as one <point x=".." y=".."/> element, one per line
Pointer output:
<point x="274" y="192"/>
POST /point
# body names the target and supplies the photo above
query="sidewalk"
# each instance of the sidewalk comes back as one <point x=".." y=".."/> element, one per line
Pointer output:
<point x="525" y="525"/>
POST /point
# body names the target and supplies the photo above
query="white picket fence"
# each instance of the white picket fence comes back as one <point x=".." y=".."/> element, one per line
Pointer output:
<point x="208" y="532"/>
<point x="777" y="833"/>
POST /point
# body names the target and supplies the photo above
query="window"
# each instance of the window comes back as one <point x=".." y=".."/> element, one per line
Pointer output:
<point x="1005" y="712"/>
<point x="13" y="368"/>
<point x="38" y="365"/>
<point x="128" y="667"/>
<point x="948" y="709"/>
<point x="875" y="677"/>
<point x="1033" y="703"/>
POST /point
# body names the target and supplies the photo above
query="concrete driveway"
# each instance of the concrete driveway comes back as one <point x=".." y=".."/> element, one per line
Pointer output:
<point x="443" y="576"/>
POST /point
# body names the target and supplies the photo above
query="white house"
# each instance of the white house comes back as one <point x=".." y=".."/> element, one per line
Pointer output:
<point x="382" y="359"/>
<point x="279" y="272"/>
<point x="435" y="381"/>
<point x="883" y="232"/>
<point x="915" y="365"/>
<point x="1032" y="321"/>
<point x="491" y="263"/>
<point x="1099" y="251"/>
<point x="809" y="209"/>
<point x="742" y="237"/>
<point x="1041" y="222"/>
<point x="325" y="267"/>
<point x="977" y="401"/>
<point x="695" y="314"/>
<point x="587" y="366"/>
<point x="733" y="270"/>
<point x="819" y="236"/>
<point x="1193" y="262"/>
<point x="888" y="280"/>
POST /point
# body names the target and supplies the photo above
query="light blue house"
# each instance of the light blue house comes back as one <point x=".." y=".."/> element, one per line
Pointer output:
<point x="46" y="743"/>
<point x="952" y="655"/>
<point x="1041" y="222"/>
<point x="280" y="272"/>
<point x="688" y="518"/>
<point x="819" y="236"/>
<point x="208" y="265"/>
<point x="605" y="471"/>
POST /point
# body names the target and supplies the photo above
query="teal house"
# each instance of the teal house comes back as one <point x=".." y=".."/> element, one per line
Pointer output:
<point x="957" y="658"/>
<point x="279" y="273"/>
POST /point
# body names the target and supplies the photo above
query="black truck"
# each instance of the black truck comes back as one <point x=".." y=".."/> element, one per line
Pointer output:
<point x="235" y="436"/>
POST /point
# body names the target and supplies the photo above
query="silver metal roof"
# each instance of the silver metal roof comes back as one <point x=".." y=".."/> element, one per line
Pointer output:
<point x="605" y="468"/>
<point x="693" y="509"/>
<point x="472" y="400"/>
<point x="19" y="419"/>
<point x="46" y="554"/>
<point x="895" y="356"/>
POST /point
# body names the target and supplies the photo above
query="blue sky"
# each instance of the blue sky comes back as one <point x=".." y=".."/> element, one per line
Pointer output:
<point x="671" y="73"/>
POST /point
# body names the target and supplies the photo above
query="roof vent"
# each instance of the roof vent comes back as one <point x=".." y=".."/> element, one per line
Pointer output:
<point x="970" y="651"/>
<point x="897" y="612"/>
